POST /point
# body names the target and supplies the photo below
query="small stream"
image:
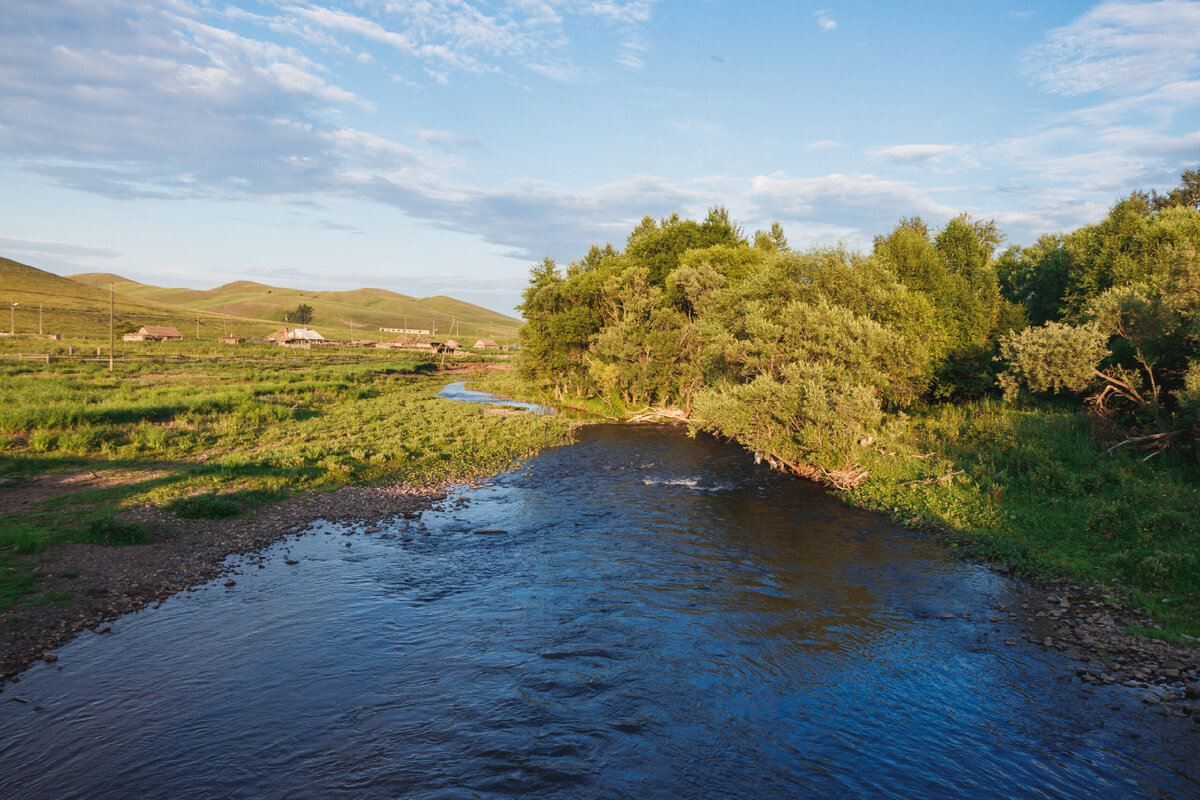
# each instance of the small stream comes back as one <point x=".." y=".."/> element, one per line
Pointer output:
<point x="638" y="615"/>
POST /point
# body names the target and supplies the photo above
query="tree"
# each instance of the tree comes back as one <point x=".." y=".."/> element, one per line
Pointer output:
<point x="302" y="315"/>
<point x="1186" y="194"/>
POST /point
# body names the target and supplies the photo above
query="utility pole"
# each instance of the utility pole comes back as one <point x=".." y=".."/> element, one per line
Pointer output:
<point x="39" y="319"/>
<point x="12" y="319"/>
<point x="197" y="329"/>
<point x="111" y="340"/>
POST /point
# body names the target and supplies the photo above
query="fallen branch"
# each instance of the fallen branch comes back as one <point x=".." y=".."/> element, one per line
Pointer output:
<point x="1142" y="442"/>
<point x="843" y="479"/>
<point x="948" y="478"/>
<point x="648" y="414"/>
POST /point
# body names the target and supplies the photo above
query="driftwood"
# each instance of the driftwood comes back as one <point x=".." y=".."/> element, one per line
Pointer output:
<point x="1156" y="441"/>
<point x="844" y="479"/>
<point x="840" y="479"/>
<point x="651" y="414"/>
<point x="948" y="478"/>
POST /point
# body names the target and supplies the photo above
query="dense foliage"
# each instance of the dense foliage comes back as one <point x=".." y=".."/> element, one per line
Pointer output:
<point x="800" y="355"/>
<point x="795" y="354"/>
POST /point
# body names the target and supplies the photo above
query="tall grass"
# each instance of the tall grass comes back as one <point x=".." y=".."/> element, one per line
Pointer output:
<point x="1030" y="487"/>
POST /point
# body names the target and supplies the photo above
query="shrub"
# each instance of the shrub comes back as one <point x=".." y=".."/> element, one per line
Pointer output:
<point x="204" y="506"/>
<point x="115" y="532"/>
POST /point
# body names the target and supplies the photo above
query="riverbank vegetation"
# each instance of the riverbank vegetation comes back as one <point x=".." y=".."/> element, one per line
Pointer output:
<point x="216" y="438"/>
<point x="1039" y="404"/>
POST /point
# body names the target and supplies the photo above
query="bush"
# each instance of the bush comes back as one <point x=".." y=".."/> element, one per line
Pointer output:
<point x="115" y="532"/>
<point x="204" y="506"/>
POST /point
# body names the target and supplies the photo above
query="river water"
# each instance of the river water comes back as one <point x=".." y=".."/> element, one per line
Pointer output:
<point x="636" y="615"/>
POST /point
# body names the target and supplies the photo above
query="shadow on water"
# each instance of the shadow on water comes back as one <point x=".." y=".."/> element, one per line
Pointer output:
<point x="647" y="615"/>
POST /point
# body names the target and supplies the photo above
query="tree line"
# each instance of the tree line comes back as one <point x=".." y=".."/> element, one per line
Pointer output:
<point x="800" y="354"/>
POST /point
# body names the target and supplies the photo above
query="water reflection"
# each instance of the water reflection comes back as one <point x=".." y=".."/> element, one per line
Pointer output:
<point x="460" y="392"/>
<point x="658" y="618"/>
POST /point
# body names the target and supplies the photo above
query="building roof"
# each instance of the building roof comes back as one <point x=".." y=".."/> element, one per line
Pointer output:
<point x="485" y="343"/>
<point x="410" y="339"/>
<point x="286" y="334"/>
<point x="160" y="330"/>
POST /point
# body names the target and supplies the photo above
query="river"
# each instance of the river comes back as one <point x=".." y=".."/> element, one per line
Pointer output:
<point x="636" y="615"/>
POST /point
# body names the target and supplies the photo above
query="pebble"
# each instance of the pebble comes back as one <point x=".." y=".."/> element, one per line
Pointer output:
<point x="49" y="658"/>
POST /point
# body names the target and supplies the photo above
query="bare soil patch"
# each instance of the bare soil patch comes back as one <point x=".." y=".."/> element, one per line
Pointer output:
<point x="21" y="499"/>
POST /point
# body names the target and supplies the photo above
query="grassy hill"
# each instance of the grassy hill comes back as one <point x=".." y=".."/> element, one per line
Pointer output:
<point x="77" y="309"/>
<point x="367" y="310"/>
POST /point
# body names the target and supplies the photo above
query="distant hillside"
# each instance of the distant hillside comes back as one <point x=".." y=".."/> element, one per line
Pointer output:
<point x="334" y="313"/>
<point x="66" y="306"/>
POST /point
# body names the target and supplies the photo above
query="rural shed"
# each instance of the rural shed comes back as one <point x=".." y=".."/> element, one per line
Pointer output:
<point x="154" y="333"/>
<point x="486" y="344"/>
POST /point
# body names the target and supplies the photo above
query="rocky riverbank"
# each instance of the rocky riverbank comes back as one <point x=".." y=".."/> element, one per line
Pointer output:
<point x="1087" y="623"/>
<point x="85" y="586"/>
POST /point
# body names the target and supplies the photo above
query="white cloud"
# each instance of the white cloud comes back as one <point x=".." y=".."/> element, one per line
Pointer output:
<point x="854" y="206"/>
<point x="825" y="21"/>
<point x="1119" y="47"/>
<point x="825" y="144"/>
<point x="448" y="140"/>
<point x="12" y="244"/>
<point x="917" y="155"/>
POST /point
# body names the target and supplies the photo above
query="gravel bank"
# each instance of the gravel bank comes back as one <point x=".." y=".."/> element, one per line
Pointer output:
<point x="97" y="584"/>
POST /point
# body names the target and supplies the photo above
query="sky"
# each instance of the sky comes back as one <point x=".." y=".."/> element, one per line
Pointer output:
<point x="444" y="146"/>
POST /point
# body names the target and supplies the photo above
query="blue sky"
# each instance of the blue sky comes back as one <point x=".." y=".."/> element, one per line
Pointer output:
<point x="442" y="146"/>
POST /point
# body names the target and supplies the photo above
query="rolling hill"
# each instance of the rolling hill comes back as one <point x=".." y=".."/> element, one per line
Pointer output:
<point x="252" y="309"/>
<point x="55" y="304"/>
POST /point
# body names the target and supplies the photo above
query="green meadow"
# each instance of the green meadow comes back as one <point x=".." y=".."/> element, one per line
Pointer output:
<point x="214" y="436"/>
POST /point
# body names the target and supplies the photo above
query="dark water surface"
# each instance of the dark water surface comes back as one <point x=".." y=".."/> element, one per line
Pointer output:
<point x="658" y="618"/>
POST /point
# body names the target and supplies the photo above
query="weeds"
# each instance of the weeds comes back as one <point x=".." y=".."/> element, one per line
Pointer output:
<point x="108" y="530"/>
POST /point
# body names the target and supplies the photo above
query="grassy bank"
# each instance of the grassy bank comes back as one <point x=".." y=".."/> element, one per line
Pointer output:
<point x="1028" y="488"/>
<point x="217" y="438"/>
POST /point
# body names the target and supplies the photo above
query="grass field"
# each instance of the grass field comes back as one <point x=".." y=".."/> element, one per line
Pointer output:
<point x="218" y="437"/>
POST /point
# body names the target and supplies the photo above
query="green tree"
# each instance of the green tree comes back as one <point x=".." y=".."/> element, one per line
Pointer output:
<point x="302" y="315"/>
<point x="1186" y="194"/>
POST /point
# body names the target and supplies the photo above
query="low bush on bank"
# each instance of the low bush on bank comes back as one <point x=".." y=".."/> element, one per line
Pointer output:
<point x="204" y="506"/>
<point x="108" y="530"/>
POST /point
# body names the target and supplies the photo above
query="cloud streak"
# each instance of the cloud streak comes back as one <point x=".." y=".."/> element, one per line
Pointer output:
<point x="1119" y="47"/>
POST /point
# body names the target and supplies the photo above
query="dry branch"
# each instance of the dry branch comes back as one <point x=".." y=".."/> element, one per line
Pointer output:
<point x="1154" y="440"/>
<point x="948" y="478"/>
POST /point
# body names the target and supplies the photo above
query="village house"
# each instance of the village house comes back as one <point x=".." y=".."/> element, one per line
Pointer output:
<point x="486" y="344"/>
<point x="410" y="342"/>
<point x="154" y="333"/>
<point x="296" y="337"/>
